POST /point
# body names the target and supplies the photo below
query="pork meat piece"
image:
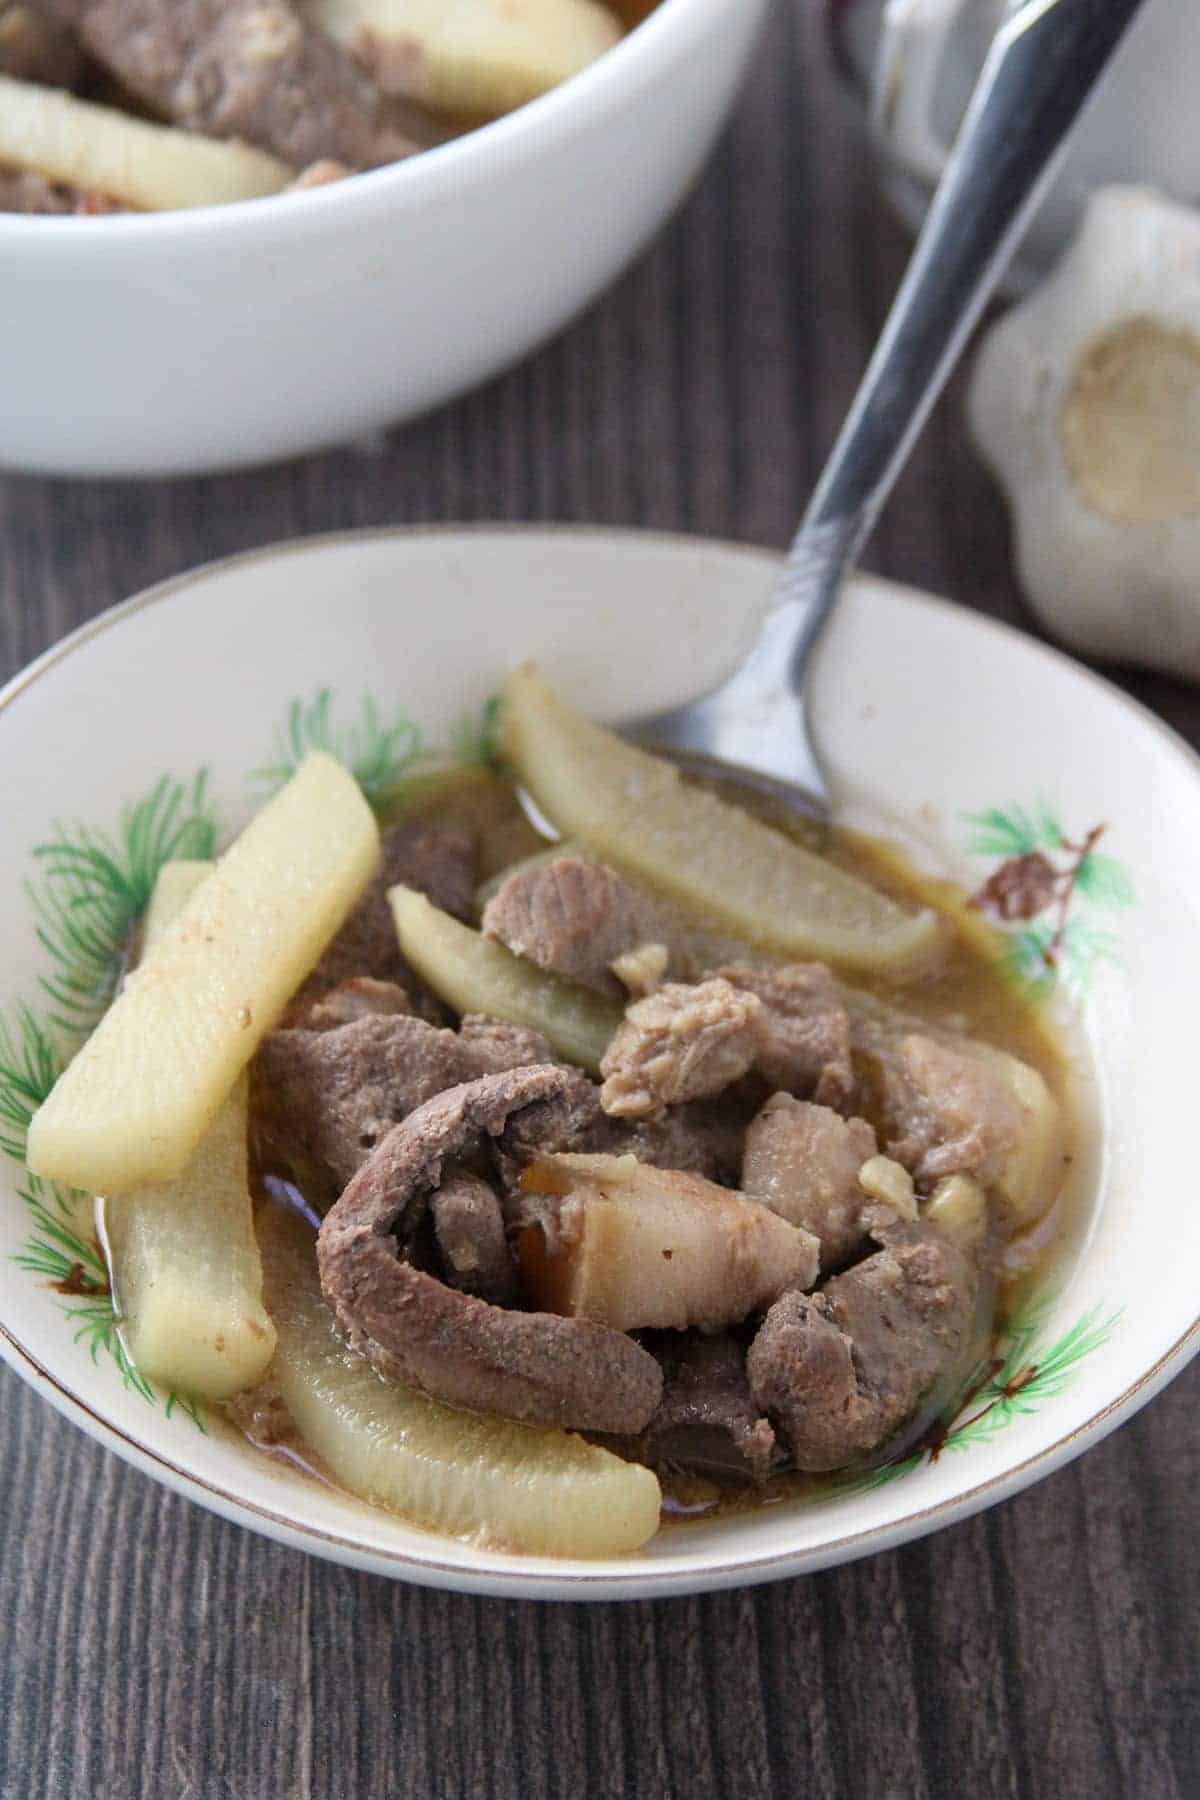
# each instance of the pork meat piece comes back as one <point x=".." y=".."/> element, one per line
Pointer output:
<point x="468" y="1227"/>
<point x="840" y="1371"/>
<point x="948" y="1107"/>
<point x="439" y="861"/>
<point x="806" y="1030"/>
<point x="572" y="917"/>
<point x="803" y="1161"/>
<point x="37" y="47"/>
<point x="415" y="1329"/>
<point x="682" y="1042"/>
<point x="707" y="1421"/>
<point x="251" y="69"/>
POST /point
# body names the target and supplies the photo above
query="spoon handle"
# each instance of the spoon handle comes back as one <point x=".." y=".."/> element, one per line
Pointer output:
<point x="1044" y="62"/>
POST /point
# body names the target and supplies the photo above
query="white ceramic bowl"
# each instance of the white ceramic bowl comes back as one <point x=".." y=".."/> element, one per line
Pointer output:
<point x="928" y="714"/>
<point x="231" y="335"/>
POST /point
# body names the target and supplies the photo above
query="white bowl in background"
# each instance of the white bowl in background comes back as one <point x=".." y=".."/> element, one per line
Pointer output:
<point x="192" y="341"/>
<point x="954" y="734"/>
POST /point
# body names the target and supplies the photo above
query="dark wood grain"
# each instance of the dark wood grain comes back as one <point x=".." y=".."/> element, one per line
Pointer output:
<point x="1045" y="1649"/>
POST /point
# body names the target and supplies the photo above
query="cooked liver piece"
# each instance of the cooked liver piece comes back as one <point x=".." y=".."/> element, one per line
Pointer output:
<point x="469" y="1228"/>
<point x="806" y="1037"/>
<point x="35" y="47"/>
<point x="681" y="1043"/>
<point x="439" y="861"/>
<point x="415" y="1329"/>
<point x="571" y="1118"/>
<point x="948" y="1107"/>
<point x="802" y="1161"/>
<point x="840" y="1371"/>
<point x="496" y="1045"/>
<point x="327" y="1097"/>
<point x="701" y="1138"/>
<point x="252" y="69"/>
<point x="707" y="1420"/>
<point x="572" y="916"/>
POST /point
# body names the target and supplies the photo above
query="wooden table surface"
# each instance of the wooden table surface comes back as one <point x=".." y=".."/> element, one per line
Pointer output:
<point x="1048" y="1647"/>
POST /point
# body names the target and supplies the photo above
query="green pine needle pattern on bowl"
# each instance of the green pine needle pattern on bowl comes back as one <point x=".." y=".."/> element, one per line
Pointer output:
<point x="1046" y="891"/>
<point x="91" y="888"/>
<point x="1025" y="1369"/>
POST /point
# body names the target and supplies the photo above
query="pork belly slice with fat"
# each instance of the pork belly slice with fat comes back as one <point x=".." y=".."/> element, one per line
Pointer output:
<point x="612" y="1239"/>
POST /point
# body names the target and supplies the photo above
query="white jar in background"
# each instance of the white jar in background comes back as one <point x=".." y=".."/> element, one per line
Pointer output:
<point x="915" y="62"/>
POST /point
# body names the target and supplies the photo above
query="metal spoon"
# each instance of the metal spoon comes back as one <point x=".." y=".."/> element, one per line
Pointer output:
<point x="1044" y="62"/>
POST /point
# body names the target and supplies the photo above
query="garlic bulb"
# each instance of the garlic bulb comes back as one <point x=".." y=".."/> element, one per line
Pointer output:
<point x="1085" y="402"/>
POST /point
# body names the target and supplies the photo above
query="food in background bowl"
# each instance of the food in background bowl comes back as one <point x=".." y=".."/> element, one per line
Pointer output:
<point x="775" y="1240"/>
<point x="279" y="325"/>
<point x="152" y="105"/>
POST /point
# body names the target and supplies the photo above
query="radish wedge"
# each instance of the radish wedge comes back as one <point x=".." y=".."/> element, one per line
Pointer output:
<point x="472" y="58"/>
<point x="515" y="1487"/>
<point x="186" y="1272"/>
<point x="139" y="1096"/>
<point x="150" y="167"/>
<point x="632" y="809"/>
<point x="474" y="975"/>
<point x="174" y="886"/>
<point x="186" y="1269"/>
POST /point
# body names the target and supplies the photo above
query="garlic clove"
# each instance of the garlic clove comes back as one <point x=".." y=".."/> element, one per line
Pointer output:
<point x="1085" y="403"/>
